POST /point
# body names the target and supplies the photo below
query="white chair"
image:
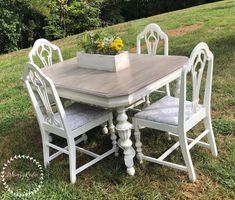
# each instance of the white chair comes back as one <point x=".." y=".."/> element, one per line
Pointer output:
<point x="152" y="34"/>
<point x="178" y="115"/>
<point x="68" y="123"/>
<point x="43" y="49"/>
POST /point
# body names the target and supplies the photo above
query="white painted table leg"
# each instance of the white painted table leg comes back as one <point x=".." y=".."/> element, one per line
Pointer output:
<point x="177" y="88"/>
<point x="124" y="131"/>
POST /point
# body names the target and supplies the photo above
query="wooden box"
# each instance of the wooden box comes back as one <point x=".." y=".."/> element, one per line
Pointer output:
<point x="113" y="63"/>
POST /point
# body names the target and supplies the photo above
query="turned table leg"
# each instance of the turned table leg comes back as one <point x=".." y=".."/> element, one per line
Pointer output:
<point x="177" y="88"/>
<point x="124" y="131"/>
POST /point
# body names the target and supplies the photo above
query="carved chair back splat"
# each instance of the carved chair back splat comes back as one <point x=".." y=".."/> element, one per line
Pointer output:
<point x="44" y="50"/>
<point x="152" y="34"/>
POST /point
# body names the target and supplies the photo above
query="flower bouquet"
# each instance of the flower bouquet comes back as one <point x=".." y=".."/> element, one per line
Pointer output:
<point x="102" y="52"/>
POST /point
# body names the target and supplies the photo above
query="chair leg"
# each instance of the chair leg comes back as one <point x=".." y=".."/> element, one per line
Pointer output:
<point x="138" y="144"/>
<point x="113" y="135"/>
<point x="177" y="88"/>
<point x="104" y="128"/>
<point x="147" y="103"/>
<point x="187" y="157"/>
<point x="50" y="137"/>
<point x="72" y="159"/>
<point x="84" y="137"/>
<point x="168" y="135"/>
<point x="46" y="149"/>
<point x="210" y="135"/>
<point x="168" y="90"/>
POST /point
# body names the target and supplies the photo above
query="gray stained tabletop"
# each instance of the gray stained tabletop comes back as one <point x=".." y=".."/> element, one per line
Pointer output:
<point x="144" y="70"/>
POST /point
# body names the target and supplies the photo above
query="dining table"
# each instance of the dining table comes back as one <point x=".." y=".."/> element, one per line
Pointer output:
<point x="117" y="90"/>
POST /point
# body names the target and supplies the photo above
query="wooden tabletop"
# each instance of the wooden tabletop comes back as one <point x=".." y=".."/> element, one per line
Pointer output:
<point x="144" y="70"/>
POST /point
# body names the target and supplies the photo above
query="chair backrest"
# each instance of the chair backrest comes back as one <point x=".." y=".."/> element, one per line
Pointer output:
<point x="44" y="50"/>
<point x="200" y="59"/>
<point x="152" y="34"/>
<point x="43" y="94"/>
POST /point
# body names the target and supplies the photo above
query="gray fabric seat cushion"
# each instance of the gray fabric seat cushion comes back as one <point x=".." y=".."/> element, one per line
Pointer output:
<point x="165" y="111"/>
<point x="80" y="114"/>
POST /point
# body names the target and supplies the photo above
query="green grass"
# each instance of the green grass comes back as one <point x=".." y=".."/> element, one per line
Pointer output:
<point x="19" y="132"/>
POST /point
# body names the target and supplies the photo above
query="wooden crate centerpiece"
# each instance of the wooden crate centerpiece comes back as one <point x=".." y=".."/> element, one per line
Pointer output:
<point x="113" y="63"/>
<point x="102" y="52"/>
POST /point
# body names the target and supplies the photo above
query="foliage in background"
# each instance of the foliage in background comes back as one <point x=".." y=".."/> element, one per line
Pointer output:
<point x="8" y="25"/>
<point x="83" y="15"/>
<point x="21" y="22"/>
<point x="54" y="24"/>
<point x="111" y="12"/>
<point x="24" y="21"/>
<point x="135" y="9"/>
<point x="70" y="17"/>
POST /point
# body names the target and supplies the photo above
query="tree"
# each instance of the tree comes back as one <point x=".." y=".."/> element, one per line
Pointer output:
<point x="55" y="25"/>
<point x="24" y="21"/>
<point x="111" y="12"/>
<point x="83" y="15"/>
<point x="31" y="19"/>
<point x="8" y="28"/>
<point x="20" y="23"/>
<point x="72" y="16"/>
<point x="134" y="9"/>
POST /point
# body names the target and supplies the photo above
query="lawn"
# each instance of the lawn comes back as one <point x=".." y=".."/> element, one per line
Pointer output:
<point x="19" y="132"/>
